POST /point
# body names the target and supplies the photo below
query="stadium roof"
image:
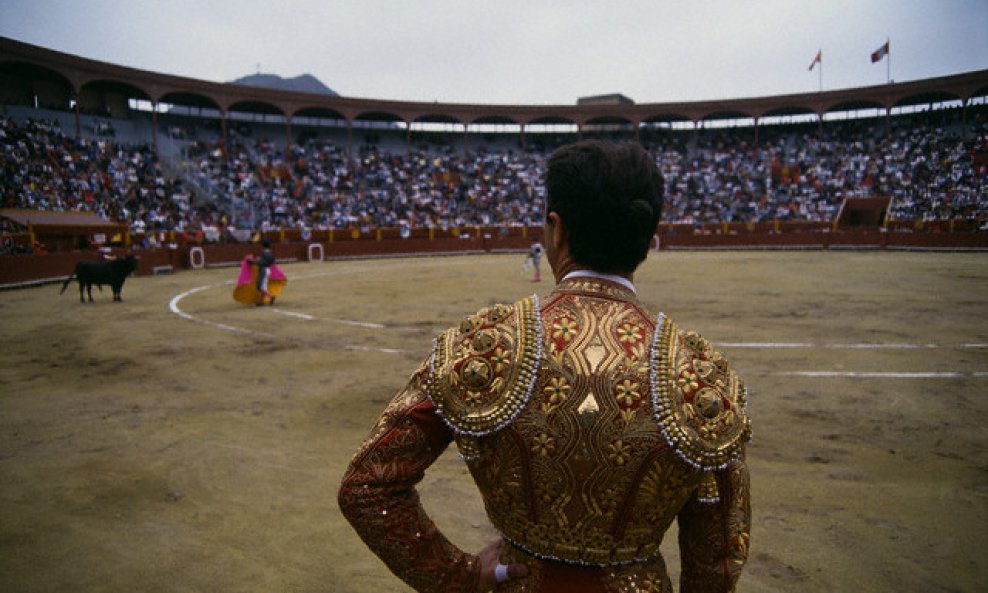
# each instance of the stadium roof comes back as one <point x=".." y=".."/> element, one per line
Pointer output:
<point x="31" y="67"/>
<point x="83" y="222"/>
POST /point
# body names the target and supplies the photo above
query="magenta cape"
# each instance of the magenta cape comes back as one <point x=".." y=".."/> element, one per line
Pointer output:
<point x="246" y="291"/>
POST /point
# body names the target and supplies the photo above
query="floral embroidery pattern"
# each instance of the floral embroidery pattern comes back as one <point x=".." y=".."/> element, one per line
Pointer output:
<point x="543" y="445"/>
<point x="620" y="452"/>
<point x="501" y="359"/>
<point x="687" y="382"/>
<point x="557" y="390"/>
<point x="627" y="392"/>
<point x="629" y="334"/>
<point x="564" y="329"/>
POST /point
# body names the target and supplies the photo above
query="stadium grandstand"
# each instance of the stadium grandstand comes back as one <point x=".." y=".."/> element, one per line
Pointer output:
<point x="185" y="162"/>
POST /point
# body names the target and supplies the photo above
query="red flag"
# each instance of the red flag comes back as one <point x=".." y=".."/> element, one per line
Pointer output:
<point x="817" y="60"/>
<point x="880" y="53"/>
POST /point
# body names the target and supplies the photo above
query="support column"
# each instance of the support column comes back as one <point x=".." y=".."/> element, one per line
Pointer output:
<point x="226" y="139"/>
<point x="154" y="125"/>
<point x="349" y="139"/>
<point x="964" y="119"/>
<point x="288" y="137"/>
<point x="524" y="147"/>
<point x="78" y="122"/>
<point x="756" y="132"/>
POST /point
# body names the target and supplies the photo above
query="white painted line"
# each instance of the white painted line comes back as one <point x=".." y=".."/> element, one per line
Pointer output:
<point x="294" y="314"/>
<point x="882" y="375"/>
<point x="308" y="317"/>
<point x="360" y="323"/>
<point x="384" y="350"/>
<point x="874" y="346"/>
<point x="766" y="345"/>
<point x="173" y="306"/>
<point x="850" y="346"/>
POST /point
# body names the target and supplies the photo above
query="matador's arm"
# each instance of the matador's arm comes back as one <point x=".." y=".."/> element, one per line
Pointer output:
<point x="713" y="537"/>
<point x="379" y="499"/>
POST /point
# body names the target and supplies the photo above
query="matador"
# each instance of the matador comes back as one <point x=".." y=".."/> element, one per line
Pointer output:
<point x="588" y="422"/>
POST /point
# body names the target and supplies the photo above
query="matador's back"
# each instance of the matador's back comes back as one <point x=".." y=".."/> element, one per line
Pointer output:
<point x="590" y="425"/>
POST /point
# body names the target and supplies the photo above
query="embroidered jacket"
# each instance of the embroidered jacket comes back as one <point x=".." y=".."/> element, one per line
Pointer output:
<point x="589" y="426"/>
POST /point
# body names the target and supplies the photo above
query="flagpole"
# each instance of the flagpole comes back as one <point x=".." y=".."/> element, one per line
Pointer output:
<point x="818" y="61"/>
<point x="888" y="65"/>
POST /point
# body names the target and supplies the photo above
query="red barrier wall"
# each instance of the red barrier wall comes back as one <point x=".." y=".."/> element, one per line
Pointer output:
<point x="19" y="270"/>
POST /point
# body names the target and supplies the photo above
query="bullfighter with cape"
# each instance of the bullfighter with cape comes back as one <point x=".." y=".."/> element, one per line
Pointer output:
<point x="260" y="280"/>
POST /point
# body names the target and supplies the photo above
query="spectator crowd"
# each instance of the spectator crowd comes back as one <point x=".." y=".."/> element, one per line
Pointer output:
<point x="929" y="173"/>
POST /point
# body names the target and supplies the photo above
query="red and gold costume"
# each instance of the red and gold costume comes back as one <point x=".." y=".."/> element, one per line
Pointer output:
<point x="589" y="425"/>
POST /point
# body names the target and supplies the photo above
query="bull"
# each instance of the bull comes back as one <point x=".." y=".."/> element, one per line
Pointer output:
<point x="112" y="273"/>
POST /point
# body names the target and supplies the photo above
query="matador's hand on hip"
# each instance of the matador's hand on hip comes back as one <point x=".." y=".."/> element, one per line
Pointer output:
<point x="492" y="571"/>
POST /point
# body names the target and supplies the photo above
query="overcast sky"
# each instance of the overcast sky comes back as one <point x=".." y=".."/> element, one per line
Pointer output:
<point x="525" y="51"/>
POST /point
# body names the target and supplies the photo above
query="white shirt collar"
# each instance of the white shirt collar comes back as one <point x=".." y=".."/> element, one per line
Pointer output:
<point x="609" y="277"/>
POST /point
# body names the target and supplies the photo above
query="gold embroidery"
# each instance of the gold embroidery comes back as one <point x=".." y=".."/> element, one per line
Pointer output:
<point x="567" y="466"/>
<point x="596" y="489"/>
<point x="626" y="392"/>
<point x="476" y="374"/>
<point x="564" y="329"/>
<point x="543" y="445"/>
<point x="589" y="405"/>
<point x="595" y="354"/>
<point x="483" y="342"/>
<point x="479" y="390"/>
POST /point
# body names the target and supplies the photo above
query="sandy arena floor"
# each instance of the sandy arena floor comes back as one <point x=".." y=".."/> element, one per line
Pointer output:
<point x="181" y="442"/>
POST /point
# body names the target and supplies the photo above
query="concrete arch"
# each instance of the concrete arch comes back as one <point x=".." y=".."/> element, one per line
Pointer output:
<point x="437" y="118"/>
<point x="255" y="107"/>
<point x="190" y="101"/>
<point x="313" y="122"/>
<point x="318" y="112"/>
<point x="667" y="117"/>
<point x="552" y="120"/>
<point x="494" y="120"/>
<point x="726" y="114"/>
<point x="788" y="110"/>
<point x="610" y="127"/>
<point x="379" y="116"/>
<point x="109" y="97"/>
<point x="27" y="83"/>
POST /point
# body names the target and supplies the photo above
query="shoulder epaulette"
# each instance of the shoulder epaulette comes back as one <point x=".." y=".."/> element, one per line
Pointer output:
<point x="700" y="402"/>
<point x="482" y="373"/>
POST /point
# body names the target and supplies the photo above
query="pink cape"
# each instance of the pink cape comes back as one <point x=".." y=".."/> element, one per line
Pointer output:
<point x="246" y="291"/>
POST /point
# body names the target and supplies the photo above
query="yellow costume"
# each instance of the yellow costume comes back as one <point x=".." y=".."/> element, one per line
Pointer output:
<point x="589" y="425"/>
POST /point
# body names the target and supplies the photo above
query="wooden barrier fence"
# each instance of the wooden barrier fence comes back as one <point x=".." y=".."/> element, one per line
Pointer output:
<point x="184" y="254"/>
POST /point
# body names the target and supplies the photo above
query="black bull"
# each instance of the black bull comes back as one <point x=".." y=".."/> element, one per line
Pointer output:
<point x="112" y="272"/>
